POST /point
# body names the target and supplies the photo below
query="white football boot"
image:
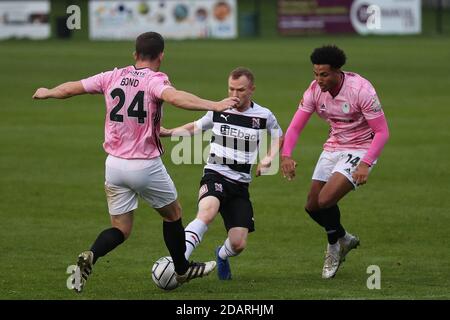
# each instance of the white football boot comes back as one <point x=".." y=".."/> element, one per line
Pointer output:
<point x="332" y="262"/>
<point x="347" y="243"/>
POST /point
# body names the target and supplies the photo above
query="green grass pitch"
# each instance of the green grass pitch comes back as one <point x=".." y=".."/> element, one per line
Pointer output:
<point x="52" y="172"/>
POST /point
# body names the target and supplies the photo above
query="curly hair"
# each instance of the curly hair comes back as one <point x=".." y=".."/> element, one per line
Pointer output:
<point x="330" y="54"/>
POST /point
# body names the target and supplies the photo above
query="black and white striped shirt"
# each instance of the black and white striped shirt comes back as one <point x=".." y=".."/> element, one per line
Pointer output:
<point x="235" y="140"/>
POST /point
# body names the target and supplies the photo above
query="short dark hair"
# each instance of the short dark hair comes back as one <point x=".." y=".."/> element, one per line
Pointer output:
<point x="149" y="45"/>
<point x="242" y="71"/>
<point x="330" y="54"/>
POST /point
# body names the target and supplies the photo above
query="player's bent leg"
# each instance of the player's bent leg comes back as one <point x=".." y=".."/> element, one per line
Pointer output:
<point x="123" y="222"/>
<point x="106" y="241"/>
<point x="238" y="239"/>
<point x="334" y="190"/>
<point x="312" y="205"/>
<point x="170" y="212"/>
<point x="174" y="237"/>
<point x="173" y="234"/>
<point x="208" y="208"/>
<point x="233" y="246"/>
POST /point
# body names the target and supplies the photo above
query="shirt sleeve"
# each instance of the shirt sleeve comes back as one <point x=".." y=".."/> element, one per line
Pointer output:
<point x="97" y="83"/>
<point x="273" y="127"/>
<point x="380" y="128"/>
<point x="370" y="104"/>
<point x="205" y="122"/>
<point x="307" y="103"/>
<point x="158" y="83"/>
<point x="293" y="131"/>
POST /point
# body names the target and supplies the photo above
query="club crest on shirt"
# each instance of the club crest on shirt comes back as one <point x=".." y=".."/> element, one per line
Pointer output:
<point x="345" y="108"/>
<point x="255" y="123"/>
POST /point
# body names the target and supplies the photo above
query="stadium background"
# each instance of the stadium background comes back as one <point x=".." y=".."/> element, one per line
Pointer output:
<point x="52" y="169"/>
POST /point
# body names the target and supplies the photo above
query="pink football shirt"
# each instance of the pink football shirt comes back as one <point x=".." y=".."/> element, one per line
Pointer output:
<point x="133" y="110"/>
<point x="347" y="113"/>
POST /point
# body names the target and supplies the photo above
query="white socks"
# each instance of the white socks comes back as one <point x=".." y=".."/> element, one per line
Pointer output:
<point x="194" y="234"/>
<point x="226" y="250"/>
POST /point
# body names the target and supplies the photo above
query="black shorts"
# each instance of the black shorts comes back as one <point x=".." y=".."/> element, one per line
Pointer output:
<point x="235" y="206"/>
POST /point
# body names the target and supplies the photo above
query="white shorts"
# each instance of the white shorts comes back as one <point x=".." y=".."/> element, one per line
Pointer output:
<point x="344" y="162"/>
<point x="125" y="179"/>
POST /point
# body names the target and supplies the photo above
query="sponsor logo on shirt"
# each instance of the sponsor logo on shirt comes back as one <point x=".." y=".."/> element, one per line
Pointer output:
<point x="226" y="130"/>
<point x="224" y="116"/>
<point x="322" y="107"/>
<point x="138" y="73"/>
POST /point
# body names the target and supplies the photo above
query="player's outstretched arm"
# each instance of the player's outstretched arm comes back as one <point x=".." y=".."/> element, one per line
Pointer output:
<point x="186" y="100"/>
<point x="186" y="130"/>
<point x="63" y="91"/>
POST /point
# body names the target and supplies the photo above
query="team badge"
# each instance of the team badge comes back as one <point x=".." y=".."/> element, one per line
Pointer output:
<point x="346" y="108"/>
<point x="218" y="187"/>
<point x="255" y="123"/>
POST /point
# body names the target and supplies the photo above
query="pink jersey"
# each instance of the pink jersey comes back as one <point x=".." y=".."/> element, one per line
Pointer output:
<point x="347" y="113"/>
<point x="133" y="110"/>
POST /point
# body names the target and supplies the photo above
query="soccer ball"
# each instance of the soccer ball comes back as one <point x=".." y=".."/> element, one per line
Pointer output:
<point x="163" y="274"/>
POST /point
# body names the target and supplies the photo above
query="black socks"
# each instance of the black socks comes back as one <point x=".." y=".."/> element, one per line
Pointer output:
<point x="330" y="219"/>
<point x="175" y="241"/>
<point x="106" y="241"/>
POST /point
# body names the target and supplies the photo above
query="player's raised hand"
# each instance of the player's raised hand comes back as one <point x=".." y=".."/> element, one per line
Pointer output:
<point x="227" y="103"/>
<point x="288" y="167"/>
<point x="361" y="173"/>
<point x="41" y="93"/>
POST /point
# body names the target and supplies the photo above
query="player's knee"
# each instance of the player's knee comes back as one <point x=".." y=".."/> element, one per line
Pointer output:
<point x="325" y="201"/>
<point x="311" y="204"/>
<point x="172" y="212"/>
<point x="238" y="245"/>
